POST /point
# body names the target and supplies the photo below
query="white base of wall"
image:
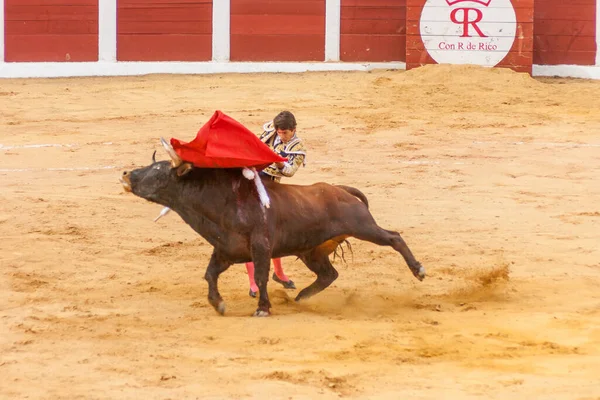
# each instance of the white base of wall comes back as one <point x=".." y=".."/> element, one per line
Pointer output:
<point x="568" y="71"/>
<point x="62" y="69"/>
<point x="78" y="69"/>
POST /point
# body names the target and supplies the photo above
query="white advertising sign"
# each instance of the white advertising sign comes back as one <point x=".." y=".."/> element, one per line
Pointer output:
<point x="479" y="32"/>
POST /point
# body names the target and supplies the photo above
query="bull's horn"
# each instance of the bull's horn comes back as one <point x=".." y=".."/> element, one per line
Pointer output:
<point x="175" y="160"/>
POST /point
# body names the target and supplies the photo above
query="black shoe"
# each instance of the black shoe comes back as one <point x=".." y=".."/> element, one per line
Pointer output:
<point x="288" y="285"/>
<point x="251" y="293"/>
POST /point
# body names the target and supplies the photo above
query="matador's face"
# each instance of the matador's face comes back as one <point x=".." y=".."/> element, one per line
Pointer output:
<point x="286" y="134"/>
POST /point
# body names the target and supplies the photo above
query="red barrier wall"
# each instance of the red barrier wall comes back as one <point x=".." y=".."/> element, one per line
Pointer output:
<point x="565" y="32"/>
<point x="51" y="30"/>
<point x="562" y="31"/>
<point x="277" y="30"/>
<point x="373" y="30"/>
<point x="163" y="30"/>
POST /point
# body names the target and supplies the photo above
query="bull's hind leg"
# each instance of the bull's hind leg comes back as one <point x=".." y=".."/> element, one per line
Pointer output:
<point x="216" y="266"/>
<point x="318" y="262"/>
<point x="371" y="232"/>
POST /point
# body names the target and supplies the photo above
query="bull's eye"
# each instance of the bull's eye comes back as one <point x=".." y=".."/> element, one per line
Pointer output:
<point x="156" y="167"/>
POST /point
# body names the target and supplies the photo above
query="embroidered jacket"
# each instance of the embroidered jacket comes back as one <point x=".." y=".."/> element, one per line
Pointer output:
<point x="294" y="151"/>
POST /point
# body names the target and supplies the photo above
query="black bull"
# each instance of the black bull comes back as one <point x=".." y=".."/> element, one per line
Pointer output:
<point x="224" y="208"/>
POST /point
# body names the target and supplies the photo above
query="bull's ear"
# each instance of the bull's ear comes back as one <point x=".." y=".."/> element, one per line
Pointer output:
<point x="184" y="169"/>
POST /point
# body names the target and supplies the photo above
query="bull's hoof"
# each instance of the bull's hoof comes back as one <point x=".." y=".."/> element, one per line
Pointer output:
<point x="251" y="293"/>
<point x="302" y="296"/>
<point x="288" y="285"/>
<point x="420" y="274"/>
<point x="261" y="313"/>
<point x="218" y="305"/>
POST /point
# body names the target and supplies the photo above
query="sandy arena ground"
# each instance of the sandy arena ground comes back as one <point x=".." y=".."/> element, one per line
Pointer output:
<point x="492" y="177"/>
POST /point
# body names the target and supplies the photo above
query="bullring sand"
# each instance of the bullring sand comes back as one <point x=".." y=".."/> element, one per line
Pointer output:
<point x="492" y="177"/>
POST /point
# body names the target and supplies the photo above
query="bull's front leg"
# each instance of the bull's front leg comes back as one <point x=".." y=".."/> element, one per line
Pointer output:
<point x="261" y="256"/>
<point x="216" y="266"/>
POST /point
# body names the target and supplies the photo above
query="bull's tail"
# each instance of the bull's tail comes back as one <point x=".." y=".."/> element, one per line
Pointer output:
<point x="356" y="193"/>
<point x="342" y="255"/>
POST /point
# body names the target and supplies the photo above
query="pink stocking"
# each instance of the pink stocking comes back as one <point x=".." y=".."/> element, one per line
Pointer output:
<point x="279" y="270"/>
<point x="250" y="269"/>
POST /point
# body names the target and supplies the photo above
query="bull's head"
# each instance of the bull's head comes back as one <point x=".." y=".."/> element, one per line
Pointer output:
<point x="154" y="181"/>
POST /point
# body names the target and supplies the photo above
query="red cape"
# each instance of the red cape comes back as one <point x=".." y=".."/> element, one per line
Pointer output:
<point x="225" y="143"/>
